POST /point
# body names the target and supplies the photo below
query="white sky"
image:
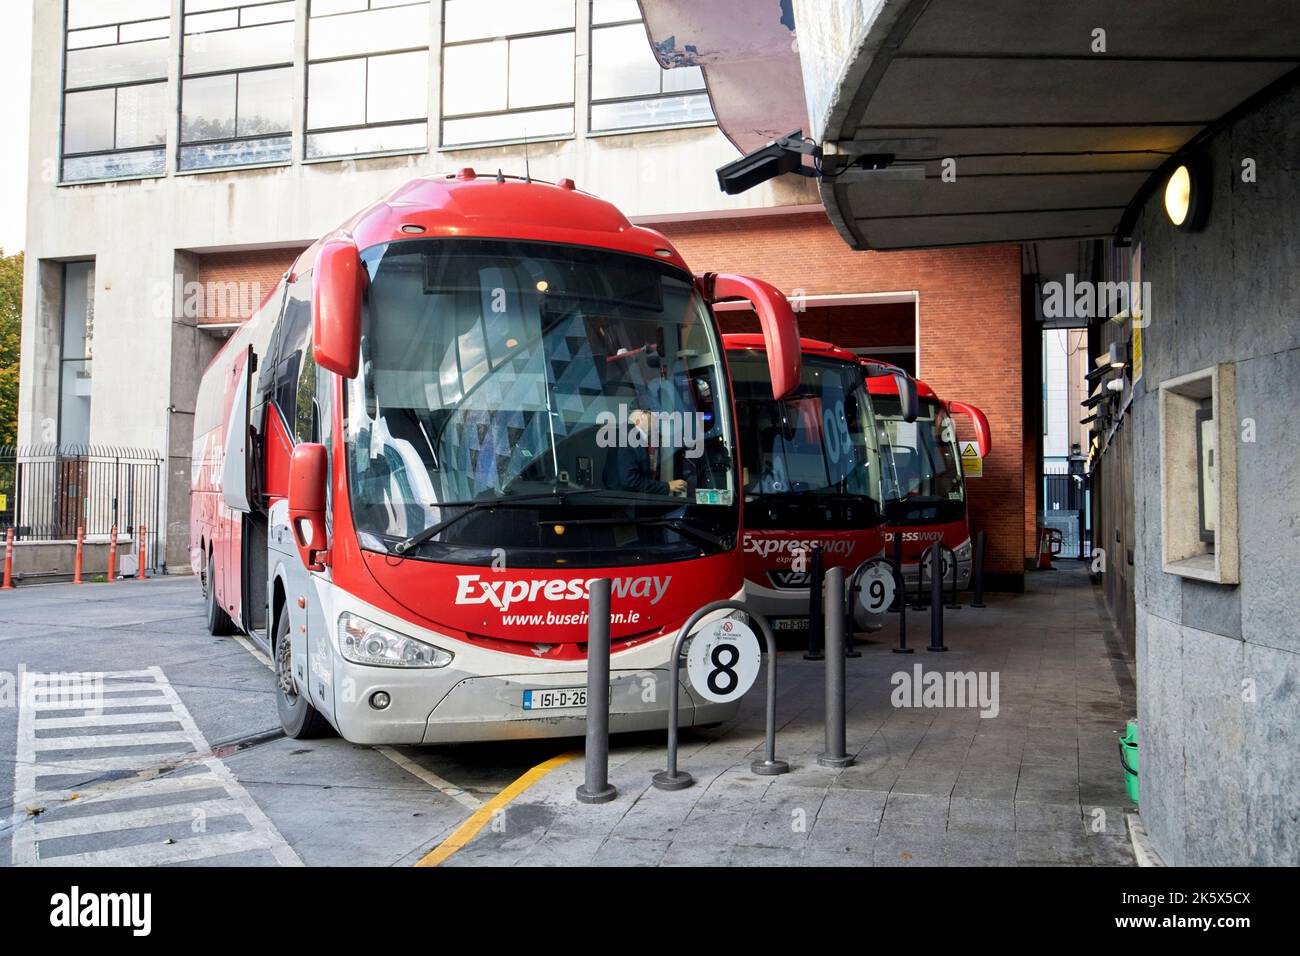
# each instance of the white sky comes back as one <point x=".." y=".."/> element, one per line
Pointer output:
<point x="15" y="81"/>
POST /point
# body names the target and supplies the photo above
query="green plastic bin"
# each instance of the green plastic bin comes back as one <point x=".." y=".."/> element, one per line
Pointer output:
<point x="1128" y="758"/>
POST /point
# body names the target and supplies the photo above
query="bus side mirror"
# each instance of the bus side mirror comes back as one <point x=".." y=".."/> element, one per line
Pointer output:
<point x="308" y="471"/>
<point x="780" y="328"/>
<point x="337" y="288"/>
<point x="983" y="433"/>
<point x="908" y="401"/>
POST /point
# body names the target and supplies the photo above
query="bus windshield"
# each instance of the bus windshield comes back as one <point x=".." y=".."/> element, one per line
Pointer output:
<point x="816" y="446"/>
<point x="500" y="379"/>
<point x="922" y="457"/>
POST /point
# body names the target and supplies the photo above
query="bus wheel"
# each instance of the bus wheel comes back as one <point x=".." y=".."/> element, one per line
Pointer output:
<point x="299" y="719"/>
<point x="219" y="622"/>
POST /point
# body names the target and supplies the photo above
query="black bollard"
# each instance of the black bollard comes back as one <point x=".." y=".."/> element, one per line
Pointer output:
<point x="977" y="599"/>
<point x="596" y="787"/>
<point x="936" y="598"/>
<point x="900" y="595"/>
<point x="952" y="602"/>
<point x="900" y="592"/>
<point x="816" y="622"/>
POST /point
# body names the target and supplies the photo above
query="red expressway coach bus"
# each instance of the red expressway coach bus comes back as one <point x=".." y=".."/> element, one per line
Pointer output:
<point x="450" y="416"/>
<point x="812" y="472"/>
<point x="927" y="500"/>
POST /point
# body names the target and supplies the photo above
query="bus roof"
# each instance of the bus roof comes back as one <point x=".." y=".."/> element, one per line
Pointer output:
<point x="465" y="204"/>
<point x="735" y="341"/>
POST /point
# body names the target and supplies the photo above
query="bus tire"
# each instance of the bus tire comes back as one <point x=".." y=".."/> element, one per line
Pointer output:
<point x="299" y="718"/>
<point x="219" y="622"/>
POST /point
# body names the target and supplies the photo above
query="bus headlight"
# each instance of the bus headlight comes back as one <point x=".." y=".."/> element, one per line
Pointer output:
<point x="364" y="642"/>
<point x="962" y="552"/>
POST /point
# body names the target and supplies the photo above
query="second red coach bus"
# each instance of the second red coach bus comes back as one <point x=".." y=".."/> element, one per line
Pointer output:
<point x="927" y="501"/>
<point x="451" y="415"/>
<point x="811" y="470"/>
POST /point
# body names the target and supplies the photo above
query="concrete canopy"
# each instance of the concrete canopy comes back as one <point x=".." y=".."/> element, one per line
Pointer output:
<point x="1055" y="127"/>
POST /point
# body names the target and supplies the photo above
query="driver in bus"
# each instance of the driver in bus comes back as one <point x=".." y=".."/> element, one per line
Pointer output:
<point x="633" y="469"/>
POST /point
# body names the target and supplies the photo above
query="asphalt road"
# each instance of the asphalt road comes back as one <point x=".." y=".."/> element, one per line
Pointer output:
<point x="187" y="764"/>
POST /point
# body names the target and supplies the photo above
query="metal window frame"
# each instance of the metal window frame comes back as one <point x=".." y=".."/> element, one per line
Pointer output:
<point x="593" y="100"/>
<point x="182" y="77"/>
<point x="115" y="87"/>
<point x="443" y="115"/>
<point x="308" y="131"/>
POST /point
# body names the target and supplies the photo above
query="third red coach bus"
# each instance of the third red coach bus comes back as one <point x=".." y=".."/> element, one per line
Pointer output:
<point x="928" y="500"/>
<point x="412" y="460"/>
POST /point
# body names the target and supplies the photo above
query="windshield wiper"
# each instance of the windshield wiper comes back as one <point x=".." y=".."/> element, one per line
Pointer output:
<point x="478" y="504"/>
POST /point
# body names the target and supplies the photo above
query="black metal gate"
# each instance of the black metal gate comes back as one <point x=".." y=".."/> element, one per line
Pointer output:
<point x="48" y="493"/>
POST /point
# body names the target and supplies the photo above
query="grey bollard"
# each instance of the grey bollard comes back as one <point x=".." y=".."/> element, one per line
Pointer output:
<point x="596" y="787"/>
<point x="835" y="755"/>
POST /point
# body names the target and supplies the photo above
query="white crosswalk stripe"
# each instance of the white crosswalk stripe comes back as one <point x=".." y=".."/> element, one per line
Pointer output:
<point x="173" y="772"/>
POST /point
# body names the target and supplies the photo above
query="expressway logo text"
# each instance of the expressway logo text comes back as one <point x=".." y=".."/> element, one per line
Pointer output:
<point x="502" y="593"/>
<point x="766" y="547"/>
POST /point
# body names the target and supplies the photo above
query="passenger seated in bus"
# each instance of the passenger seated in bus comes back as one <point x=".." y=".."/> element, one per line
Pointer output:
<point x="633" y="469"/>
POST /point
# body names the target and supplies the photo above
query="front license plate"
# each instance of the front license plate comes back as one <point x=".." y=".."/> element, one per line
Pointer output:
<point x="790" y="624"/>
<point x="555" y="698"/>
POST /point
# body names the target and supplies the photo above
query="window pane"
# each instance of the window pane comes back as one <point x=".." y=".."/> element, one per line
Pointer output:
<point x="142" y="115"/>
<point x="208" y="109"/>
<point x="508" y="126"/>
<point x="612" y="11"/>
<point x="221" y="20"/>
<point x="324" y="8"/>
<point x="622" y="63"/>
<point x="248" y="152"/>
<point x="541" y="71"/>
<point x="93" y="13"/>
<point x="659" y="111"/>
<point x="381" y="139"/>
<point x="149" y="30"/>
<point x="474" y="78"/>
<point x="682" y="79"/>
<point x="480" y="19"/>
<point x="375" y="31"/>
<point x="235" y="49"/>
<point x="117" y="64"/>
<point x="115" y="166"/>
<point x="74" y="405"/>
<point x="265" y="102"/>
<point x="88" y="121"/>
<point x="99" y="37"/>
<point x="78" y="310"/>
<point x="267" y="13"/>
<point x="336" y="94"/>
<point x="398" y="87"/>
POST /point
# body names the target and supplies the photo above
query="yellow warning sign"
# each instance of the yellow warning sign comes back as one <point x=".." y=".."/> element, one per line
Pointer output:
<point x="972" y="465"/>
<point x="4" y="502"/>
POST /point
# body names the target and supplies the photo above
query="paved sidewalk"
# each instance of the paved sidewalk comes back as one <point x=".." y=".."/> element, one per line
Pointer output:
<point x="1037" y="784"/>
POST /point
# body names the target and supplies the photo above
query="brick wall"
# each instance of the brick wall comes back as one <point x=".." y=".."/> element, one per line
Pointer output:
<point x="233" y="284"/>
<point x="970" y="335"/>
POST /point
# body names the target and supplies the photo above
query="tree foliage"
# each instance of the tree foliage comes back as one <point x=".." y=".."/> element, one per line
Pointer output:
<point x="11" y="322"/>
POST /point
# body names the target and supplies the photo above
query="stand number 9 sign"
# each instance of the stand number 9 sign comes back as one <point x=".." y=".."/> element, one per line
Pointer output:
<point x="876" y="588"/>
<point x="724" y="660"/>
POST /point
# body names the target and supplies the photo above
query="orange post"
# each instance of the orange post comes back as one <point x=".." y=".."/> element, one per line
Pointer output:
<point x="140" y="551"/>
<point x="9" y="561"/>
<point x="76" y="566"/>
<point x="112" y="555"/>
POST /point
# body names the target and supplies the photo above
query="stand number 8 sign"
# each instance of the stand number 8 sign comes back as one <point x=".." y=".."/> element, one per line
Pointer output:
<point x="723" y="660"/>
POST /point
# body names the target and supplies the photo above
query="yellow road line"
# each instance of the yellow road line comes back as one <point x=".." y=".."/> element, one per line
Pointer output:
<point x="480" y="817"/>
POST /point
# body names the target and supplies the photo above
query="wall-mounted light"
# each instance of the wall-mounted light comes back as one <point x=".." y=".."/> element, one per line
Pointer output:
<point x="1186" y="199"/>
